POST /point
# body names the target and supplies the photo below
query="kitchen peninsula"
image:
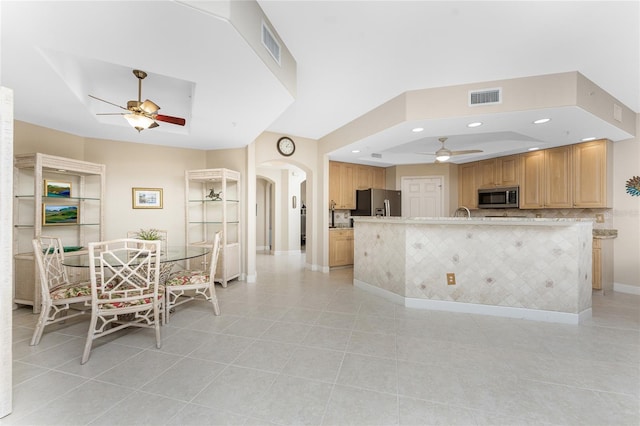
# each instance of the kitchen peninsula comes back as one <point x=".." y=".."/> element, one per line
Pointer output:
<point x="537" y="269"/>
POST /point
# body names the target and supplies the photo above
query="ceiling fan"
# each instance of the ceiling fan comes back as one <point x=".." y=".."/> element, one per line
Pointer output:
<point x="443" y="154"/>
<point x="142" y="115"/>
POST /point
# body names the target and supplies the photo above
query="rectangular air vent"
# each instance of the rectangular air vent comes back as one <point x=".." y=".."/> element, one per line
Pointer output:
<point x="485" y="97"/>
<point x="270" y="43"/>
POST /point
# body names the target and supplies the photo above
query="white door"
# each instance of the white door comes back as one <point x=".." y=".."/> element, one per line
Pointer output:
<point x="422" y="196"/>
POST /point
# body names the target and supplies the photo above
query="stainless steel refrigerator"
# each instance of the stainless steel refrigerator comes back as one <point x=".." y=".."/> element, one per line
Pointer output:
<point x="377" y="202"/>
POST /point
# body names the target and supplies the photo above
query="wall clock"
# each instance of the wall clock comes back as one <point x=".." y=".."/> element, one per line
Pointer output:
<point x="286" y="146"/>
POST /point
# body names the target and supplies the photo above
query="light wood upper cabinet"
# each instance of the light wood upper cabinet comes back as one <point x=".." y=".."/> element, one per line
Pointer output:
<point x="559" y="177"/>
<point x="508" y="170"/>
<point x="592" y="174"/>
<point x="342" y="185"/>
<point x="532" y="180"/>
<point x="379" y="178"/>
<point x="546" y="179"/>
<point x="467" y="185"/>
<point x="501" y="171"/>
<point x="486" y="173"/>
<point x="364" y="177"/>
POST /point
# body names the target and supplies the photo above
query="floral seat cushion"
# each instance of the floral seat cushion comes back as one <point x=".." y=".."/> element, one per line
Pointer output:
<point x="190" y="278"/>
<point x="113" y="302"/>
<point x="70" y="291"/>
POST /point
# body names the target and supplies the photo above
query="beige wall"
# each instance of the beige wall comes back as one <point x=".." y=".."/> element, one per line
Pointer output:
<point x="131" y="165"/>
<point x="626" y="214"/>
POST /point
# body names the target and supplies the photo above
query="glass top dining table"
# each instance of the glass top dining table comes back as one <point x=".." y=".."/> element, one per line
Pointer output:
<point x="170" y="255"/>
<point x="168" y="258"/>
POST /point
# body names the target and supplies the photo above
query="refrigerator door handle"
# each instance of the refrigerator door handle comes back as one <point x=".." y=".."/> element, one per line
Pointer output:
<point x="387" y="208"/>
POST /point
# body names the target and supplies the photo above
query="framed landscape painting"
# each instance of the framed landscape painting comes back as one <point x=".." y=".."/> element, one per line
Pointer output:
<point x="146" y="198"/>
<point x="53" y="214"/>
<point x="57" y="189"/>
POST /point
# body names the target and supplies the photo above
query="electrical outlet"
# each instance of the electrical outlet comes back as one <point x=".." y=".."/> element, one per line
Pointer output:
<point x="599" y="218"/>
<point x="451" y="278"/>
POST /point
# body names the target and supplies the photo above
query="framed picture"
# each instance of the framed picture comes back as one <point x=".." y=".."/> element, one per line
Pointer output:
<point x="57" y="189"/>
<point x="146" y="198"/>
<point x="55" y="214"/>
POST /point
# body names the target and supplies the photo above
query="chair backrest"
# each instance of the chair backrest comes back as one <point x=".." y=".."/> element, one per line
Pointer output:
<point x="49" y="256"/>
<point x="124" y="270"/>
<point x="163" y="234"/>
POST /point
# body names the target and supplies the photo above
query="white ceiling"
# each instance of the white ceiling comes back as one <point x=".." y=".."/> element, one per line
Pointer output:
<point x="351" y="56"/>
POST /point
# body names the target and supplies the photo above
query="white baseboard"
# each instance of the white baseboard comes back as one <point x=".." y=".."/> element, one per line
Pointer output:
<point x="286" y="252"/>
<point x="626" y="288"/>
<point x="474" y="308"/>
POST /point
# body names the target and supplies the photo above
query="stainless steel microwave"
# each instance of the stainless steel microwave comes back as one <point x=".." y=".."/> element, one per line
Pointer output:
<point x="499" y="198"/>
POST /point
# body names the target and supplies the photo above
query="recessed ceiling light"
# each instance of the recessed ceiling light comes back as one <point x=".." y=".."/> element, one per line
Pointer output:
<point x="355" y="151"/>
<point x="542" y="121"/>
<point x="475" y="124"/>
<point x="588" y="139"/>
<point x="417" y="130"/>
<point x="535" y="148"/>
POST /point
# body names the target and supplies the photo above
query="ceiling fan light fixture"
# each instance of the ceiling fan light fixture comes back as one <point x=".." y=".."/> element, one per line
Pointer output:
<point x="139" y="121"/>
<point x="443" y="154"/>
<point x="149" y="107"/>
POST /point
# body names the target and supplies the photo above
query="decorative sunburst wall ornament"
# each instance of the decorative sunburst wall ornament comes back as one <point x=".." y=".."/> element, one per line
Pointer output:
<point x="633" y="186"/>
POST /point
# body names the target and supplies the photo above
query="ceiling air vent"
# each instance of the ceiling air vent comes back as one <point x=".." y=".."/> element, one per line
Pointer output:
<point x="485" y="97"/>
<point x="270" y="42"/>
<point x="376" y="155"/>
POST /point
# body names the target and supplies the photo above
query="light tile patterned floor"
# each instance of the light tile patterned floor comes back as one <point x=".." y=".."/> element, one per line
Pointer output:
<point x="302" y="347"/>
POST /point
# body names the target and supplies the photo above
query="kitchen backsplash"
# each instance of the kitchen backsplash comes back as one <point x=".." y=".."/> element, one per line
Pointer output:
<point x="342" y="218"/>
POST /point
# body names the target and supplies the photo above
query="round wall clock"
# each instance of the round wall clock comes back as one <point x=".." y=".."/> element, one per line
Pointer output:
<point x="286" y="146"/>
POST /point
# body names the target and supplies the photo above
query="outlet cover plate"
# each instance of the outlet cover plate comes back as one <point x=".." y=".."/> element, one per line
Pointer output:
<point x="451" y="278"/>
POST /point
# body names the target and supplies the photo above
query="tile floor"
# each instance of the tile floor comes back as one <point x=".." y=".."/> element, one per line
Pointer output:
<point x="302" y="347"/>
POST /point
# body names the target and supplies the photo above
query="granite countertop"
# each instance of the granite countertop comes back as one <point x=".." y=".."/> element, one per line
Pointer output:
<point x="601" y="233"/>
<point x="340" y="226"/>
<point x="525" y="221"/>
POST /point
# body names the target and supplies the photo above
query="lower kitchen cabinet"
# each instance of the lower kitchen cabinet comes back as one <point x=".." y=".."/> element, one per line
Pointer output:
<point x="602" y="266"/>
<point x="340" y="247"/>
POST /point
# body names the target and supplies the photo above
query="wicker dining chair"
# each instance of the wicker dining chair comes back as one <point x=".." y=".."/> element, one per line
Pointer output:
<point x="59" y="296"/>
<point x="189" y="285"/>
<point x="125" y="290"/>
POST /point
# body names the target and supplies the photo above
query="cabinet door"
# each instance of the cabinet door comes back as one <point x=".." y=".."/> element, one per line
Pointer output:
<point x="507" y="170"/>
<point x="379" y="178"/>
<point x="347" y="186"/>
<point x="341" y="247"/>
<point x="591" y="174"/>
<point x="532" y="180"/>
<point x="487" y="173"/>
<point x="558" y="177"/>
<point x="364" y="177"/>
<point x="596" y="265"/>
<point x="467" y="187"/>
<point x="334" y="183"/>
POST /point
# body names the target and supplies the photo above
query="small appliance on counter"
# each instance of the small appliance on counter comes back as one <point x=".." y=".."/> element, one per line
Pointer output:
<point x="377" y="202"/>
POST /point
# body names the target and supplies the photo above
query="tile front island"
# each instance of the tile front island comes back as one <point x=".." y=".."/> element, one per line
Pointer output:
<point x="537" y="269"/>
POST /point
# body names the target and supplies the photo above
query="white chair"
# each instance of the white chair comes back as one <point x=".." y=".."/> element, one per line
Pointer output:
<point x="125" y="290"/>
<point x="59" y="296"/>
<point x="189" y="285"/>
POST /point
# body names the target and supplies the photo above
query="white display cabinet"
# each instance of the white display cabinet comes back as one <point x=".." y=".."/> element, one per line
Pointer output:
<point x="212" y="205"/>
<point x="54" y="196"/>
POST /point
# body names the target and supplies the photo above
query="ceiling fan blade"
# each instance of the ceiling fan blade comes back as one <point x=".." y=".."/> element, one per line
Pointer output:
<point x="154" y="124"/>
<point x="149" y="107"/>
<point x="169" y="119"/>
<point x="111" y="113"/>
<point x="107" y="102"/>
<point x="468" y="151"/>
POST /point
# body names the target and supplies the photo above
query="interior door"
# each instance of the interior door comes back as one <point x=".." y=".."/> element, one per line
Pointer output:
<point x="422" y="196"/>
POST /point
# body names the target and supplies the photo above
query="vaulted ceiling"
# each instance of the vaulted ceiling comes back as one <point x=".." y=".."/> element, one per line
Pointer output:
<point x="350" y="57"/>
